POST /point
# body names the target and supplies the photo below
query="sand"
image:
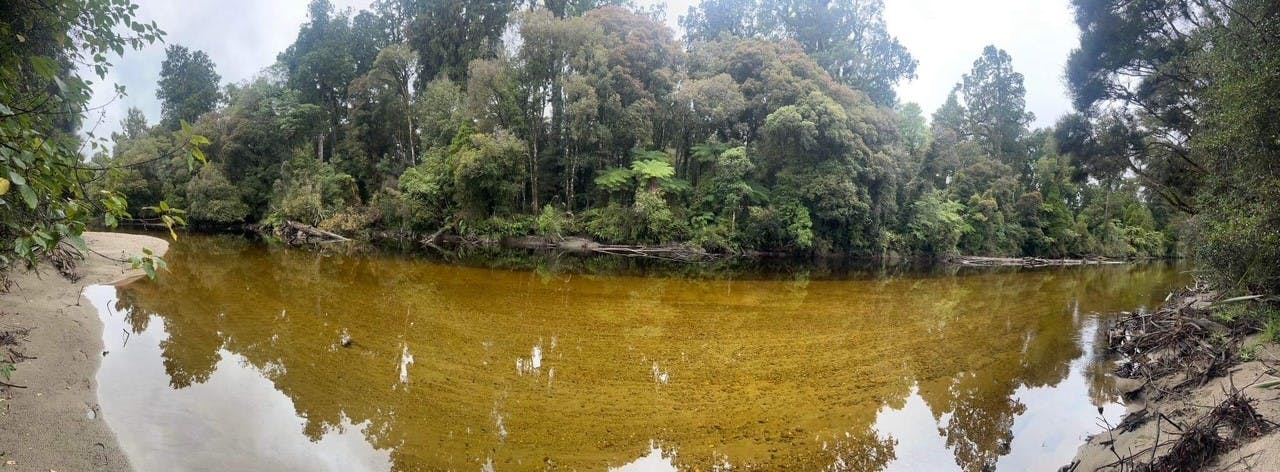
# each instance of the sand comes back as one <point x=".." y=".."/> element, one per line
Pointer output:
<point x="1257" y="455"/>
<point x="54" y="424"/>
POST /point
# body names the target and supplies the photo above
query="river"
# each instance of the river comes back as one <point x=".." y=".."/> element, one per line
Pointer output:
<point x="246" y="356"/>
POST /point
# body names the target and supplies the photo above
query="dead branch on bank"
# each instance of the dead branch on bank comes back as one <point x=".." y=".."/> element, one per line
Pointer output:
<point x="1176" y="339"/>
<point x="1031" y="262"/>
<point x="1229" y="424"/>
<point x="1174" y="350"/>
<point x="671" y="253"/>
<point x="297" y="234"/>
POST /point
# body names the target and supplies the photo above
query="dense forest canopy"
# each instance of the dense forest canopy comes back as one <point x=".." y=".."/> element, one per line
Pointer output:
<point x="765" y="125"/>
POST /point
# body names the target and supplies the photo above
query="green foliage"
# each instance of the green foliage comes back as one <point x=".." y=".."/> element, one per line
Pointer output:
<point x="487" y="171"/>
<point x="848" y="37"/>
<point x="609" y="224"/>
<point x="44" y="199"/>
<point x="653" y="220"/>
<point x="775" y="128"/>
<point x="651" y="171"/>
<point x="551" y="223"/>
<point x="1199" y="124"/>
<point x="214" y="199"/>
<point x="149" y="262"/>
<point x="937" y="224"/>
<point x="497" y="228"/>
<point x="310" y="191"/>
<point x="188" y="86"/>
<point x="6" y="370"/>
<point x="449" y="35"/>
<point x="614" y="180"/>
<point x="994" y="97"/>
<point x="784" y="227"/>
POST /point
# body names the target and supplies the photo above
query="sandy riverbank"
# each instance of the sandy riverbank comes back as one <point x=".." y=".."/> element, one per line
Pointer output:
<point x="54" y="423"/>
<point x="1167" y="406"/>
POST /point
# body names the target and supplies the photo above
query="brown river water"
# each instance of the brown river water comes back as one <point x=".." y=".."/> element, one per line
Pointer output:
<point x="235" y="360"/>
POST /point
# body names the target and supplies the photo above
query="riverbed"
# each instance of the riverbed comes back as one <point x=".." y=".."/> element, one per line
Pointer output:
<point x="252" y="357"/>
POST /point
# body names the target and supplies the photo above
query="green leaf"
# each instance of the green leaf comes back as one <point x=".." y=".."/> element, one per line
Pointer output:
<point x="78" y="242"/>
<point x="28" y="196"/>
<point x="45" y="67"/>
<point x="614" y="179"/>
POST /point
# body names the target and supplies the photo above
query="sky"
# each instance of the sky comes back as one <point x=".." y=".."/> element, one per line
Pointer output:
<point x="242" y="37"/>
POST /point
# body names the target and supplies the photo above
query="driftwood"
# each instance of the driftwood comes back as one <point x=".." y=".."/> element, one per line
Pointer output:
<point x="1195" y="446"/>
<point x="298" y="233"/>
<point x="1030" y="261"/>
<point x="587" y="246"/>
<point x="678" y="253"/>
<point x="1177" y="338"/>
<point x="434" y="238"/>
<point x="1169" y="352"/>
<point x="145" y="223"/>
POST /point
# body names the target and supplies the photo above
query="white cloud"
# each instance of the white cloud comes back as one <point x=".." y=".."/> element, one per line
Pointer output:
<point x="946" y="36"/>
<point x="244" y="36"/>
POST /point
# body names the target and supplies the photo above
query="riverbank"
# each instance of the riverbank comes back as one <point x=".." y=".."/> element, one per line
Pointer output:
<point x="53" y="422"/>
<point x="980" y="261"/>
<point x="1201" y="386"/>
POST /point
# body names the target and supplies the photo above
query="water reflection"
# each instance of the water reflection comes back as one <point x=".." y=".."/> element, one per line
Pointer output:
<point x="900" y="371"/>
<point x="232" y="419"/>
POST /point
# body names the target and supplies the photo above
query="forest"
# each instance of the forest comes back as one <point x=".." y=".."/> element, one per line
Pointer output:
<point x="766" y="125"/>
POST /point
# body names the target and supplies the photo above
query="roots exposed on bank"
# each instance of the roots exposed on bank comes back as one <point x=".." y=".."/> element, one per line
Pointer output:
<point x="1191" y="448"/>
<point x="1175" y="351"/>
<point x="1176" y="340"/>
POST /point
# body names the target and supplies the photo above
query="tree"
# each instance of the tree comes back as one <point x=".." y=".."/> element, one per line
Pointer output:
<point x="379" y="136"/>
<point x="709" y="19"/>
<point x="449" y="34"/>
<point x="133" y="126"/>
<point x="937" y="224"/>
<point x="188" y="86"/>
<point x="487" y="174"/>
<point x="913" y="128"/>
<point x="322" y="62"/>
<point x="1137" y="66"/>
<point x="995" y="99"/>
<point x="214" y="199"/>
<point x="42" y="100"/>
<point x="1182" y="95"/>
<point x="848" y="38"/>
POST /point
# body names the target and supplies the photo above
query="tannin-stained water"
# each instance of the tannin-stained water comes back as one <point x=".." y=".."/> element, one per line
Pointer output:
<point x="235" y="360"/>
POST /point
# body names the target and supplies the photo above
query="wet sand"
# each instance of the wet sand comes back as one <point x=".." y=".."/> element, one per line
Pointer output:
<point x="55" y="423"/>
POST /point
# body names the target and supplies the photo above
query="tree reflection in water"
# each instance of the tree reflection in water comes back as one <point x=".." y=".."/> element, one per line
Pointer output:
<point x="786" y="372"/>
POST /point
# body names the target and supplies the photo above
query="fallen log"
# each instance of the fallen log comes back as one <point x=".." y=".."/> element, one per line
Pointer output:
<point x="980" y="261"/>
<point x="679" y="253"/>
<point x="310" y="234"/>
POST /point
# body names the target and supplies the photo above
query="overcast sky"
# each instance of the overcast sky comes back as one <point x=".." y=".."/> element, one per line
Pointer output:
<point x="244" y="36"/>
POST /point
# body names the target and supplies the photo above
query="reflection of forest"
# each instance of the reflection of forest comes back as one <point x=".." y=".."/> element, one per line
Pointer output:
<point x="776" y="374"/>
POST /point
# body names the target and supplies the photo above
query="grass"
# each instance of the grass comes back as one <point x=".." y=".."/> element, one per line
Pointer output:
<point x="1260" y="318"/>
